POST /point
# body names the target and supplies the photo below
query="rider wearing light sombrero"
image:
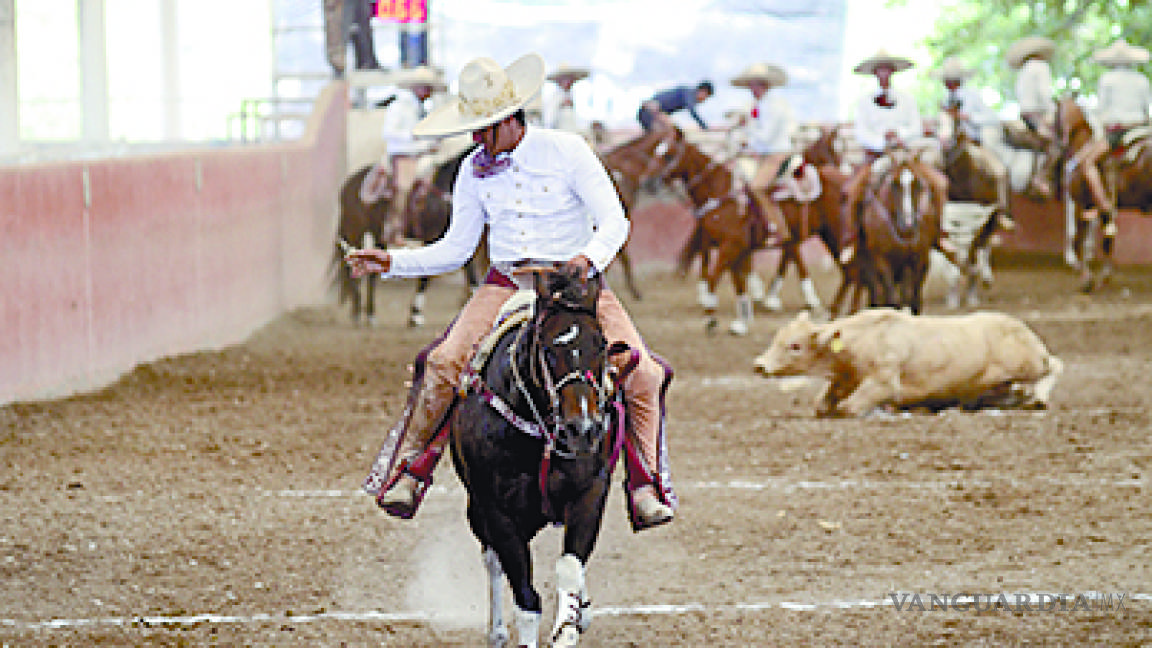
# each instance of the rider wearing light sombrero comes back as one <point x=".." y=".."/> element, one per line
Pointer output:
<point x="885" y="118"/>
<point x="546" y="199"/>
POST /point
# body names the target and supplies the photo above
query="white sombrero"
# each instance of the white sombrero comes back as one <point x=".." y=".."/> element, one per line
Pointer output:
<point x="880" y="59"/>
<point x="767" y="73"/>
<point x="1030" y="46"/>
<point x="568" y="71"/>
<point x="488" y="93"/>
<point x="953" y="69"/>
<point x="1121" y="53"/>
<point x="421" y="75"/>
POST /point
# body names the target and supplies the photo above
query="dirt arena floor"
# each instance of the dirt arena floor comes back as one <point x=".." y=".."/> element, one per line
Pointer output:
<point x="212" y="499"/>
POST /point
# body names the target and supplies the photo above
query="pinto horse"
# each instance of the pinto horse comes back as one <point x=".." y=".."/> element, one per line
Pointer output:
<point x="535" y="438"/>
<point x="976" y="179"/>
<point x="728" y="217"/>
<point x="1131" y="168"/>
<point x="1074" y="138"/>
<point x="901" y="224"/>
<point x="427" y="213"/>
<point x="364" y="207"/>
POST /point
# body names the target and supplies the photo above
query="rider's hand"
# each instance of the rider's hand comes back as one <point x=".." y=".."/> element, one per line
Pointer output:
<point x="362" y="262"/>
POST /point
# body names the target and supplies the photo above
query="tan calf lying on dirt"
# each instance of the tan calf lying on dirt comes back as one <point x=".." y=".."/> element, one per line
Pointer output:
<point x="887" y="358"/>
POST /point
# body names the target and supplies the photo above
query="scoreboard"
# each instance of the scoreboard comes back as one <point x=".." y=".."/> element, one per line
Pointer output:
<point x="404" y="11"/>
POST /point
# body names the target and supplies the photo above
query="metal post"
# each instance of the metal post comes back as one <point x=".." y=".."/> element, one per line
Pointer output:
<point x="9" y="95"/>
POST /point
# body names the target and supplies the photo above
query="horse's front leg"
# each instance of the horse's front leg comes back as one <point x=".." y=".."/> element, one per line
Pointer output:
<point x="498" y="636"/>
<point x="416" y="312"/>
<point x="741" y="269"/>
<point x="807" y="288"/>
<point x="771" y="299"/>
<point x="498" y="533"/>
<point x="582" y="520"/>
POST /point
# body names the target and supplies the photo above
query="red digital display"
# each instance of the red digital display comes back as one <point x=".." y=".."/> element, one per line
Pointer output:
<point x="403" y="10"/>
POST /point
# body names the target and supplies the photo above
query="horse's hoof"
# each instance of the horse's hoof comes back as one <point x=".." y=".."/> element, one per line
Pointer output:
<point x="1070" y="258"/>
<point x="1087" y="285"/>
<point x="566" y="637"/>
<point x="951" y="301"/>
<point x="738" y="327"/>
<point x="1106" y="274"/>
<point x="710" y="325"/>
<point x="416" y="320"/>
<point x="772" y="303"/>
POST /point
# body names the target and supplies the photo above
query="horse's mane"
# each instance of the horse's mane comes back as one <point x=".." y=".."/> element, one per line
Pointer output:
<point x="567" y="291"/>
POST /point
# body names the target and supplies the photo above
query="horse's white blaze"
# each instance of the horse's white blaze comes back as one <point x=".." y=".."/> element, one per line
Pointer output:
<point x="568" y="336"/>
<point x="906" y="179"/>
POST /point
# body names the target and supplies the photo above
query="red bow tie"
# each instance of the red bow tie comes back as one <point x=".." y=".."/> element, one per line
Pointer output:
<point x="755" y="112"/>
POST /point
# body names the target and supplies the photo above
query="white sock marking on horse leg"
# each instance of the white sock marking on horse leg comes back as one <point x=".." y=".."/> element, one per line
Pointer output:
<point x="497" y="626"/>
<point x="756" y="286"/>
<point x="527" y="628"/>
<point x="810" y="296"/>
<point x="571" y="594"/>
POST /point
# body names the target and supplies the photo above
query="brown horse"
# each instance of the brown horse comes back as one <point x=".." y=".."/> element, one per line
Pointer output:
<point x="975" y="179"/>
<point x="1131" y="168"/>
<point x="427" y="213"/>
<point x="901" y="226"/>
<point x="1074" y="137"/>
<point x="728" y="217"/>
<point x="810" y="202"/>
<point x="362" y="224"/>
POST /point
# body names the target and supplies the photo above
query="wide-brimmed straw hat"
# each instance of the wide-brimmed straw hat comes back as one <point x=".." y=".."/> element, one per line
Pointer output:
<point x="487" y="94"/>
<point x="767" y="73"/>
<point x="1030" y="46"/>
<point x="565" y="71"/>
<point x="880" y="59"/>
<point x="421" y="75"/>
<point x="953" y="69"/>
<point x="1121" y="53"/>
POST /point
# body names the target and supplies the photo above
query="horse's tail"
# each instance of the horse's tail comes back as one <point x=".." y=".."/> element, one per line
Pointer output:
<point x="693" y="247"/>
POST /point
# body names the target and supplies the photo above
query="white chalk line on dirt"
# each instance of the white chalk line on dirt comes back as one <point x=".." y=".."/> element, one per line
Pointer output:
<point x="420" y="617"/>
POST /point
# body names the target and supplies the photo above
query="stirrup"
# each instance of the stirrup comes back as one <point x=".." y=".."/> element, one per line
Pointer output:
<point x="404" y="510"/>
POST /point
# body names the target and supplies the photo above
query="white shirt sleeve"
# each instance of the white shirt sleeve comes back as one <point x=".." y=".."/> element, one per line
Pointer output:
<point x="458" y="244"/>
<point x="591" y="183"/>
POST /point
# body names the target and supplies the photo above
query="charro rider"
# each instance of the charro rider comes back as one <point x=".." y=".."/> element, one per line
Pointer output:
<point x="885" y="119"/>
<point x="559" y="107"/>
<point x="546" y="199"/>
<point x="1030" y="56"/>
<point x="1123" y="99"/>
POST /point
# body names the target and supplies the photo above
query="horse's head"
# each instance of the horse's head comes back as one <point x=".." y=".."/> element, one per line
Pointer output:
<point x="1071" y="126"/>
<point x="666" y="149"/>
<point x="823" y="151"/>
<point x="570" y="360"/>
<point x="903" y="191"/>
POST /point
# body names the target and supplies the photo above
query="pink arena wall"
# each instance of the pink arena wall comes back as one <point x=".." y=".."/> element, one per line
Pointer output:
<point x="108" y="263"/>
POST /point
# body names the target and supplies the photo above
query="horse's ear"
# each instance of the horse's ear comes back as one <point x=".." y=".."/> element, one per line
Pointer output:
<point x="594" y="284"/>
<point x="540" y="283"/>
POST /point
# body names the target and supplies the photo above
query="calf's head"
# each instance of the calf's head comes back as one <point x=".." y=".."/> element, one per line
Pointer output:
<point x="801" y="348"/>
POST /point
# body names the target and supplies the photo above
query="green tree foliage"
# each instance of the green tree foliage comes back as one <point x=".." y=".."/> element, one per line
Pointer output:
<point x="980" y="31"/>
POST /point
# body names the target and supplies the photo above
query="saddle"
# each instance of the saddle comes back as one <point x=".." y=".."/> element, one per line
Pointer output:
<point x="517" y="310"/>
<point x="1018" y="135"/>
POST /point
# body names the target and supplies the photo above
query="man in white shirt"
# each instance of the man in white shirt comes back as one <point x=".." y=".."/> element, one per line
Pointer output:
<point x="545" y="198"/>
<point x="885" y="118"/>
<point x="559" y="110"/>
<point x="768" y="123"/>
<point x="1030" y="56"/>
<point x="409" y="159"/>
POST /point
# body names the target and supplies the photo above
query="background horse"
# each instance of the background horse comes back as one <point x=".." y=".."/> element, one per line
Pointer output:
<point x="807" y="216"/>
<point x="427" y="213"/>
<point x="1131" y="169"/>
<point x="534" y="441"/>
<point x="1073" y="135"/>
<point x="978" y="206"/>
<point x="728" y="218"/>
<point x="364" y="209"/>
<point x="901" y="225"/>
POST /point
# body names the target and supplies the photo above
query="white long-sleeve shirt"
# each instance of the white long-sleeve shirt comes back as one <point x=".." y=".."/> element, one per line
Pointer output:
<point x="1124" y="97"/>
<point x="873" y="120"/>
<point x="554" y="202"/>
<point x="399" y="119"/>
<point x="1034" y="87"/>
<point x="559" y="113"/>
<point x="770" y="125"/>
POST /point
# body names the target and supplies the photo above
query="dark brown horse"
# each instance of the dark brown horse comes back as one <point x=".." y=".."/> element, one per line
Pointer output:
<point x="1074" y="138"/>
<point x="427" y="214"/>
<point x="364" y="212"/>
<point x="901" y="225"/>
<point x="975" y="179"/>
<point x="729" y="218"/>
